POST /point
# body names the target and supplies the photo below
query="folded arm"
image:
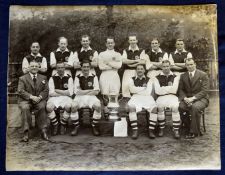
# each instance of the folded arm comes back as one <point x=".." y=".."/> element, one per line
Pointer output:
<point x="134" y="89"/>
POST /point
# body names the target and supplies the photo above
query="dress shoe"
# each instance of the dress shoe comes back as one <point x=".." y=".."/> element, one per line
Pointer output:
<point x="54" y="130"/>
<point x="161" y="133"/>
<point x="134" y="134"/>
<point x="44" y="134"/>
<point x="62" y="129"/>
<point x="190" y="136"/>
<point x="151" y="134"/>
<point x="75" y="130"/>
<point x="26" y="136"/>
<point x="95" y="131"/>
<point x="176" y="134"/>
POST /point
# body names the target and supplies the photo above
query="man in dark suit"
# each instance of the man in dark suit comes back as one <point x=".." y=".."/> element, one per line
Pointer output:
<point x="33" y="93"/>
<point x="193" y="97"/>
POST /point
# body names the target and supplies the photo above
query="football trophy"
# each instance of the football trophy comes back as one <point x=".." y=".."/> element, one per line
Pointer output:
<point x="113" y="107"/>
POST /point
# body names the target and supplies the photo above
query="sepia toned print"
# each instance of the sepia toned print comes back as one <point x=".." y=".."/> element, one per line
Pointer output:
<point x="113" y="88"/>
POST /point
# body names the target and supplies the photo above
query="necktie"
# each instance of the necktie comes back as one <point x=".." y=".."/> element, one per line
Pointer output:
<point x="35" y="80"/>
<point x="190" y="76"/>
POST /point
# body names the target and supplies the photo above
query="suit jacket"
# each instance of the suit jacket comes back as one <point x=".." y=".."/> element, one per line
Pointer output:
<point x="198" y="87"/>
<point x="26" y="87"/>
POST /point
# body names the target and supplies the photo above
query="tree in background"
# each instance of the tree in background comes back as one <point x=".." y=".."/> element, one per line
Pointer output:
<point x="46" y="26"/>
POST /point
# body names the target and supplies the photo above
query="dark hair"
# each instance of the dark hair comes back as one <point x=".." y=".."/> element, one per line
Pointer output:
<point x="155" y="39"/>
<point x="34" y="61"/>
<point x="62" y="37"/>
<point x="188" y="59"/>
<point x="85" y="62"/>
<point x="59" y="63"/>
<point x="143" y="65"/>
<point x="179" y="39"/>
<point x="35" y="42"/>
<point x="166" y="61"/>
<point x="132" y="34"/>
<point x="110" y="37"/>
<point x="85" y="36"/>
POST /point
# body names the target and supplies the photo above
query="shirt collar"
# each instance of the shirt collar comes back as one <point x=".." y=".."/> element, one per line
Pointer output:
<point x="32" y="75"/>
<point x="136" y="48"/>
<point x="159" y="50"/>
<point x="193" y="73"/>
<point x="66" y="50"/>
<point x="82" y="75"/>
<point x="65" y="74"/>
<point x="82" y="49"/>
<point x="38" y="55"/>
<point x="176" y="51"/>
<point x="143" y="77"/>
<point x="161" y="73"/>
<point x="110" y="50"/>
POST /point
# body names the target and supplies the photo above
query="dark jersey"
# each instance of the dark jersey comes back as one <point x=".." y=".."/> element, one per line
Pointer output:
<point x="140" y="82"/>
<point x="62" y="56"/>
<point x="85" y="55"/>
<point x="33" y="58"/>
<point x="133" y="55"/>
<point x="165" y="80"/>
<point x="179" y="57"/>
<point x="61" y="83"/>
<point x="86" y="82"/>
<point x="155" y="56"/>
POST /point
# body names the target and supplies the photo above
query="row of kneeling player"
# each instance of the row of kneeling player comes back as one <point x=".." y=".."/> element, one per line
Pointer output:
<point x="191" y="88"/>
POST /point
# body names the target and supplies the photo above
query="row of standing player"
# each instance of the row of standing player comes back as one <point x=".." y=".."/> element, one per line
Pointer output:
<point x="110" y="61"/>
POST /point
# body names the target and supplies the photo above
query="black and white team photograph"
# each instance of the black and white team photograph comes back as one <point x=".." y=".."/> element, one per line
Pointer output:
<point x="113" y="88"/>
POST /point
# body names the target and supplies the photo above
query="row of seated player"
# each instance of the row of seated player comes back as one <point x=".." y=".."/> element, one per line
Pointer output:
<point x="193" y="86"/>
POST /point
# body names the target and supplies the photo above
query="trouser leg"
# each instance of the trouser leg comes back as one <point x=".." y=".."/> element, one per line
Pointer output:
<point x="184" y="115"/>
<point x="41" y="115"/>
<point x="196" y="109"/>
<point x="26" y="115"/>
